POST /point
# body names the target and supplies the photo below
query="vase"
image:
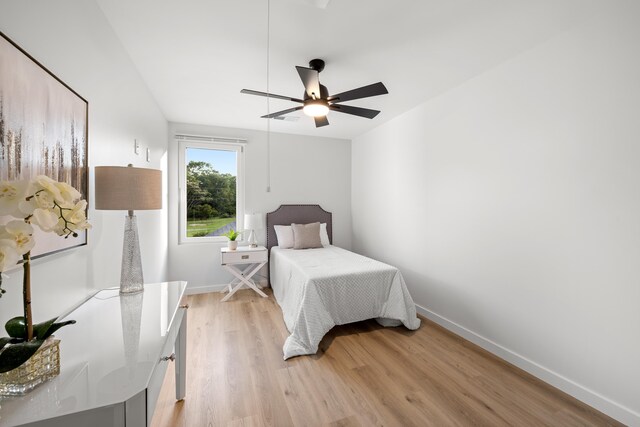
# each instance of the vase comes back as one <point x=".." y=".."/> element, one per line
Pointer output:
<point x="232" y="245"/>
<point x="41" y="367"/>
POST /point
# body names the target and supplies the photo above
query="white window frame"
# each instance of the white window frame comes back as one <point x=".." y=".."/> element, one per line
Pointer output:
<point x="183" y="145"/>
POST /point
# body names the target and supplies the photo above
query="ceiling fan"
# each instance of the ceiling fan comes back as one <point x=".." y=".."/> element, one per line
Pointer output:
<point x="316" y="101"/>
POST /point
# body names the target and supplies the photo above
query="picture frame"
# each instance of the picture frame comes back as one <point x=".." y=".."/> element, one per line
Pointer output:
<point x="44" y="130"/>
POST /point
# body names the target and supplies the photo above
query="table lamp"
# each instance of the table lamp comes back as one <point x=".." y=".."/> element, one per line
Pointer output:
<point x="253" y="222"/>
<point x="129" y="189"/>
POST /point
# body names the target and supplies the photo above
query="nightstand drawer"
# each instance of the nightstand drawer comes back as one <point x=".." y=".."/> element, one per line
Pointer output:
<point x="244" y="257"/>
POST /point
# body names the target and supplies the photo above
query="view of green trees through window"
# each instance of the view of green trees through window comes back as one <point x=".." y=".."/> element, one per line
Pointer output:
<point x="211" y="191"/>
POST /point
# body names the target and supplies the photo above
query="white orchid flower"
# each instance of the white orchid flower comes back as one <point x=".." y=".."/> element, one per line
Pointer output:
<point x="45" y="192"/>
<point x="12" y="193"/>
<point x="46" y="219"/>
<point x="78" y="217"/>
<point x="41" y="199"/>
<point x="47" y="184"/>
<point x="52" y="206"/>
<point x="9" y="255"/>
<point x="79" y="213"/>
<point x="62" y="221"/>
<point x="68" y="194"/>
<point x="21" y="233"/>
<point x="72" y="220"/>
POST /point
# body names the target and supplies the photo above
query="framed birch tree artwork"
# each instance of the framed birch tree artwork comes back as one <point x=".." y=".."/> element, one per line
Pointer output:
<point x="43" y="131"/>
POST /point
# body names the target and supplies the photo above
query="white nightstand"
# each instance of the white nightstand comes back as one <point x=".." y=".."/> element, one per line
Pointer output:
<point x="256" y="258"/>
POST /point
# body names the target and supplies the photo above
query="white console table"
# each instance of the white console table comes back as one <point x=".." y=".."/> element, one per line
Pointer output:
<point x="112" y="362"/>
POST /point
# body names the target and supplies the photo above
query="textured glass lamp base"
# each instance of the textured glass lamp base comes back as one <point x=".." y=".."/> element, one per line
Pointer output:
<point x="41" y="367"/>
<point x="131" y="280"/>
<point x="252" y="239"/>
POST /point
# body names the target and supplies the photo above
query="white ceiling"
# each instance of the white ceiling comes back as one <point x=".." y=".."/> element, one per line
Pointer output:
<point x="196" y="55"/>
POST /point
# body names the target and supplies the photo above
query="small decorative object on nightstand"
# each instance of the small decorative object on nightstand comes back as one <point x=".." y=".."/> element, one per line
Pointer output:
<point x="255" y="258"/>
<point x="232" y="235"/>
<point x="253" y="222"/>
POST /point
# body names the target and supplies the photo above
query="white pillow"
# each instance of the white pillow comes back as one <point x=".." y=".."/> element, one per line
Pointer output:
<point x="324" y="237"/>
<point x="284" y="233"/>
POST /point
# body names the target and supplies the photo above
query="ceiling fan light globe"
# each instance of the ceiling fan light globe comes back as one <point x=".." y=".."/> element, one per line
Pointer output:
<point x="316" y="109"/>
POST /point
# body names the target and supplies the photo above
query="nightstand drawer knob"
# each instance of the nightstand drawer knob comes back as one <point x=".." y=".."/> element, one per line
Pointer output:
<point x="245" y="256"/>
<point x="185" y="306"/>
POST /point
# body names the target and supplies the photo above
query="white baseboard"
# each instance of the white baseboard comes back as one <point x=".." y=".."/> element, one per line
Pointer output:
<point x="203" y="289"/>
<point x="590" y="397"/>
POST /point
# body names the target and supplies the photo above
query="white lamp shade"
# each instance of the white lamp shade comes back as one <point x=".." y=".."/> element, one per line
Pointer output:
<point x="254" y="221"/>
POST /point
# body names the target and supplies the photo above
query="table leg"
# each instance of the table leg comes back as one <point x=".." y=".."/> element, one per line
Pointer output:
<point x="235" y="280"/>
<point x="237" y="288"/>
<point x="181" y="360"/>
<point x="249" y="281"/>
<point x="244" y="280"/>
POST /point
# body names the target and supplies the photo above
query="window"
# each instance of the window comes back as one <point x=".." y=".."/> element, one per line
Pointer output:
<point x="211" y="190"/>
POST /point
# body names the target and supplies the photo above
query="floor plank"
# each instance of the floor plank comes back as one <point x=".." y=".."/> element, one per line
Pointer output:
<point x="363" y="374"/>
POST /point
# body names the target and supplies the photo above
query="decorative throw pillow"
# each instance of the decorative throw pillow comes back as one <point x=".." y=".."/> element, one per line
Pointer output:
<point x="284" y="234"/>
<point x="306" y="236"/>
<point x="324" y="236"/>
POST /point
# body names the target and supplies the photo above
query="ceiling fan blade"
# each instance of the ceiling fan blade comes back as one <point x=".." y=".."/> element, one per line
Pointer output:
<point x="362" y="92"/>
<point x="270" y="95"/>
<point x="321" y="121"/>
<point x="281" y="113"/>
<point x="310" y="80"/>
<point x="356" y="111"/>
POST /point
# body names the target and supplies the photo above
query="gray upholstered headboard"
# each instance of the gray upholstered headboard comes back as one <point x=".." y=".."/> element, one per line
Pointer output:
<point x="299" y="214"/>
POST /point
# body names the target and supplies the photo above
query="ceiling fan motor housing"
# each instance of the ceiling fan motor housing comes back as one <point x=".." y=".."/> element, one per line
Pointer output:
<point x="324" y="93"/>
<point x="316" y="64"/>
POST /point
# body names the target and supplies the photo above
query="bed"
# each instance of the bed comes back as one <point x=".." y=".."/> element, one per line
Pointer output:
<point x="320" y="288"/>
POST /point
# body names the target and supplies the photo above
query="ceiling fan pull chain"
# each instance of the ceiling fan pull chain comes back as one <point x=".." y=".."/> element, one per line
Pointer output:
<point x="268" y="105"/>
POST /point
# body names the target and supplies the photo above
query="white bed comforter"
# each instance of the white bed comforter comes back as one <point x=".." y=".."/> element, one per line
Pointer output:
<point x="320" y="288"/>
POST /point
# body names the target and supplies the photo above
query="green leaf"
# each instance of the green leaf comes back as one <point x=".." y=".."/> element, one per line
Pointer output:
<point x="13" y="340"/>
<point x="40" y="329"/>
<point x="15" y="355"/>
<point x="16" y="327"/>
<point x="44" y="330"/>
<point x="4" y="341"/>
<point x="54" y="328"/>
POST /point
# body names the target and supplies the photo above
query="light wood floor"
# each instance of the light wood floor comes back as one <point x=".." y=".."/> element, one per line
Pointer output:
<point x="363" y="375"/>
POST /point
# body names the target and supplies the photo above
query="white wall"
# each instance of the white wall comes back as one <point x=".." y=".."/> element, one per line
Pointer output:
<point x="304" y="169"/>
<point x="74" y="41"/>
<point x="512" y="206"/>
